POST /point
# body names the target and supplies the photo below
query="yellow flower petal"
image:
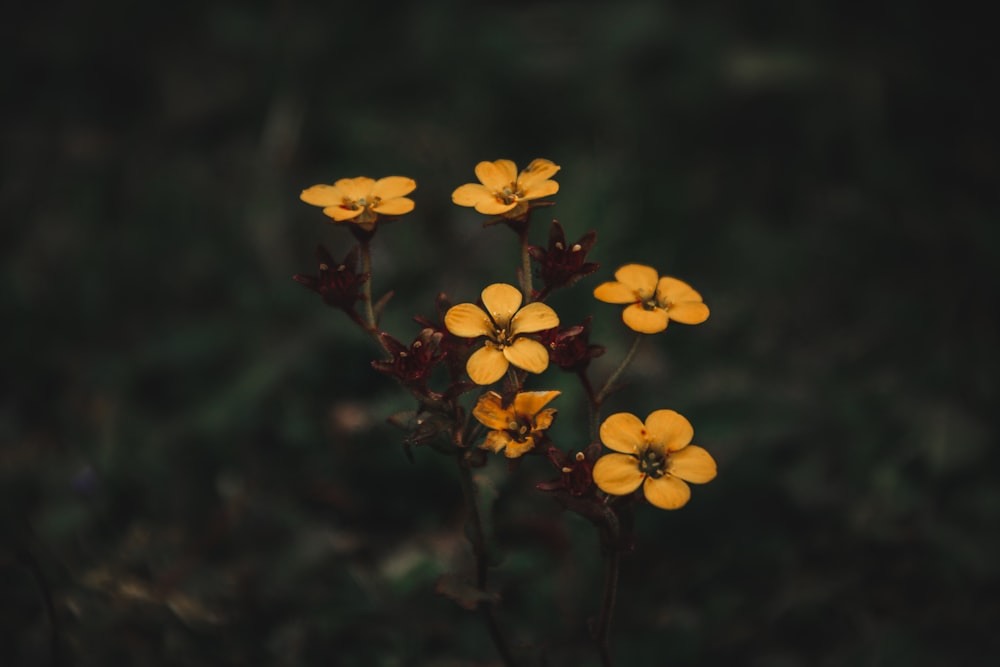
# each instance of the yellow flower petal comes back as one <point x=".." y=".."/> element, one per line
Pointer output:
<point x="490" y="412"/>
<point x="471" y="194"/>
<point x="639" y="277"/>
<point x="675" y="291"/>
<point x="615" y="292"/>
<point x="493" y="206"/>
<point x="497" y="175"/>
<point x="692" y="464"/>
<point x="340" y="213"/>
<point x="528" y="354"/>
<point x="645" y="321"/>
<point x="534" y="317"/>
<point x="391" y="187"/>
<point x="617" y="474"/>
<point x="515" y="449"/>
<point x="467" y="320"/>
<point x="667" y="492"/>
<point x="669" y="429"/>
<point x="691" y="312"/>
<point x="486" y="365"/>
<point x="623" y="432"/>
<point x="539" y="190"/>
<point x="530" y="403"/>
<point x="538" y="171"/>
<point x="544" y="419"/>
<point x="501" y="301"/>
<point x="496" y="440"/>
<point x="356" y="188"/>
<point x="323" y="195"/>
<point x="396" y="206"/>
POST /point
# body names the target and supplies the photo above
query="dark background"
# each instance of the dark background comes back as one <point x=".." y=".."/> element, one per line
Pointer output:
<point x="194" y="464"/>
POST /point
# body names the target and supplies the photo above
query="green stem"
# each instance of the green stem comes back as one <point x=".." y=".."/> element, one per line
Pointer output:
<point x="481" y="555"/>
<point x="366" y="291"/>
<point x="526" y="286"/>
<point x="606" y="389"/>
<point x="612" y="565"/>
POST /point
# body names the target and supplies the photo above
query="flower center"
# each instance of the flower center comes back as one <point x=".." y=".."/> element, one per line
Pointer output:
<point x="653" y="463"/>
<point x="509" y="195"/>
<point x="502" y="338"/>
<point x="519" y="429"/>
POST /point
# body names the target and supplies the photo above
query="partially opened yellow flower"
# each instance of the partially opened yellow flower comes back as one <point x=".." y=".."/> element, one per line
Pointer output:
<point x="654" y="301"/>
<point x="504" y="324"/>
<point x="518" y="427"/>
<point x="362" y="200"/>
<point x="655" y="454"/>
<point x="502" y="190"/>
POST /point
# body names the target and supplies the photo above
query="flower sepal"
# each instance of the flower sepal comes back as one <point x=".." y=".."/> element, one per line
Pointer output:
<point x="562" y="264"/>
<point x="339" y="283"/>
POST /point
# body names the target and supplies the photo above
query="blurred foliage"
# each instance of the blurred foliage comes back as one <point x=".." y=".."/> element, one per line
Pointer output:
<point x="194" y="465"/>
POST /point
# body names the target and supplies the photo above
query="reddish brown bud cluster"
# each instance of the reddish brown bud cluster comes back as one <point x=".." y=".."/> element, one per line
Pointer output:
<point x="576" y="471"/>
<point x="412" y="365"/>
<point x="562" y="264"/>
<point x="569" y="347"/>
<point x="338" y="283"/>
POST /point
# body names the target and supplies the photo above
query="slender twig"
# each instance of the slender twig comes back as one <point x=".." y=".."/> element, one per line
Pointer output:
<point x="370" y="325"/>
<point x="481" y="557"/>
<point x="609" y="385"/>
<point x="526" y="286"/>
<point x="612" y="565"/>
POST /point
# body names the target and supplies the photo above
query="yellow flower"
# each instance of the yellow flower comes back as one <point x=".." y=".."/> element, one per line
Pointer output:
<point x="362" y="200"/>
<point x="518" y="426"/>
<point x="504" y="324"/>
<point x="656" y="455"/>
<point x="503" y="191"/>
<point x="654" y="300"/>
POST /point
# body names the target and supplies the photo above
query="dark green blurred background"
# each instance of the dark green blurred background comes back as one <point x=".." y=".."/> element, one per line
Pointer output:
<point x="193" y="457"/>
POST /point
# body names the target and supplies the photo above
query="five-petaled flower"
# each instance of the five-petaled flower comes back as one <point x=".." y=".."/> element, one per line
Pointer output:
<point x="518" y="426"/>
<point x="656" y="454"/>
<point x="654" y="301"/>
<point x="362" y="200"/>
<point x="502" y="191"/>
<point x="504" y="324"/>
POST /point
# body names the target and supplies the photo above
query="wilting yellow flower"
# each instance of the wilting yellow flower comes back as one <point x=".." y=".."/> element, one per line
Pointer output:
<point x="517" y="427"/>
<point x="502" y="190"/>
<point x="362" y="200"/>
<point x="656" y="455"/>
<point x="654" y="300"/>
<point x="504" y="324"/>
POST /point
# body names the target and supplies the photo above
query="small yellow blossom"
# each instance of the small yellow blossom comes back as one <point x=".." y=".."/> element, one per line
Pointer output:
<point x="362" y="200"/>
<point x="654" y="301"/>
<point x="502" y="191"/>
<point x="518" y="427"/>
<point x="504" y="324"/>
<point x="655" y="454"/>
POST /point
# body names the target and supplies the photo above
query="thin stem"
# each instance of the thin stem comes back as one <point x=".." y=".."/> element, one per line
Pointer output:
<point x="479" y="551"/>
<point x="606" y="389"/>
<point x="369" y="323"/>
<point x="526" y="286"/>
<point x="612" y="565"/>
<point x="592" y="405"/>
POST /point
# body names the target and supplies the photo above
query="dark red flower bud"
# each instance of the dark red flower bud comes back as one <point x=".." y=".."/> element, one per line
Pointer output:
<point x="412" y="365"/>
<point x="569" y="347"/>
<point x="338" y="283"/>
<point x="562" y="264"/>
<point x="576" y="471"/>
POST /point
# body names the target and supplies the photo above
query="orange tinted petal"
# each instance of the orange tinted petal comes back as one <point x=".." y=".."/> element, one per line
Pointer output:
<point x="691" y="312"/>
<point x="675" y="291"/>
<point x="391" y="187"/>
<point x="535" y="316"/>
<point x="496" y="440"/>
<point x="486" y="365"/>
<point x="493" y="206"/>
<point x="323" y="195"/>
<point x="490" y="412"/>
<point x="539" y="190"/>
<point x="645" y="321"/>
<point x="639" y="277"/>
<point x="496" y="175"/>
<point x="356" y="188"/>
<point x="617" y="474"/>
<point x="544" y="419"/>
<point x="397" y="206"/>
<point x="539" y="170"/>
<point x="623" y="432"/>
<point x="669" y="429"/>
<point x="692" y="464"/>
<point x="515" y="449"/>
<point x="667" y="492"/>
<point x="340" y="213"/>
<point x="615" y="292"/>
<point x="530" y="403"/>
<point x="471" y="194"/>
<point x="501" y="301"/>
<point x="528" y="354"/>
<point x="467" y="320"/>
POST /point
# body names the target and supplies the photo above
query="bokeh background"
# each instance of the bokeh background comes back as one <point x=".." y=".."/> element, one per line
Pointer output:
<point x="194" y="463"/>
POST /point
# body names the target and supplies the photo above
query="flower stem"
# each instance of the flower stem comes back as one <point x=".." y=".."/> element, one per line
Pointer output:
<point x="481" y="555"/>
<point x="526" y="286"/>
<point x="612" y="565"/>
<point x="369" y="324"/>
<point x="597" y="400"/>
